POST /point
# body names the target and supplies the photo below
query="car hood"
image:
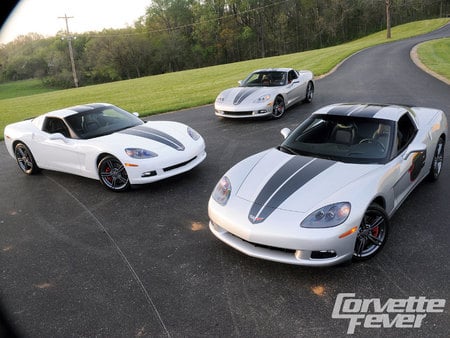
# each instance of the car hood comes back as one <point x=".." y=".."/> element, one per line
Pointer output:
<point x="296" y="183"/>
<point x="240" y="95"/>
<point x="152" y="136"/>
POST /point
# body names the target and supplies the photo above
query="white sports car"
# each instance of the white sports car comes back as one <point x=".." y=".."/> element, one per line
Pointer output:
<point x="104" y="142"/>
<point x="325" y="195"/>
<point x="266" y="92"/>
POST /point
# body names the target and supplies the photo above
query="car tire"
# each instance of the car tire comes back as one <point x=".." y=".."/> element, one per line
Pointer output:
<point x="372" y="233"/>
<point x="309" y="93"/>
<point x="438" y="160"/>
<point x="25" y="159"/>
<point x="112" y="174"/>
<point x="279" y="107"/>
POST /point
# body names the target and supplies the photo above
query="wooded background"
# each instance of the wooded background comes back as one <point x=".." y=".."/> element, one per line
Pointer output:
<point x="175" y="35"/>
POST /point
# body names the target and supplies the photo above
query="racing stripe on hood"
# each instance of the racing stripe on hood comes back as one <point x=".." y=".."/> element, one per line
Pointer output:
<point x="155" y="135"/>
<point x="287" y="180"/>
<point x="367" y="111"/>
<point x="243" y="94"/>
<point x="359" y="110"/>
<point x="342" y="110"/>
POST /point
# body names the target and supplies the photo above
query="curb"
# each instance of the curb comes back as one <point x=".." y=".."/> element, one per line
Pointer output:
<point x="415" y="58"/>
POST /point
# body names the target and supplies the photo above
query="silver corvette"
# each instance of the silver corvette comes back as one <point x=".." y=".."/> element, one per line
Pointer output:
<point x="326" y="194"/>
<point x="266" y="92"/>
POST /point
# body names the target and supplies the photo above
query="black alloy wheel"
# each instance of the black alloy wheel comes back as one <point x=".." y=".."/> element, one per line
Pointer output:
<point x="113" y="174"/>
<point x="25" y="159"/>
<point x="309" y="93"/>
<point x="438" y="161"/>
<point x="372" y="233"/>
<point x="279" y="107"/>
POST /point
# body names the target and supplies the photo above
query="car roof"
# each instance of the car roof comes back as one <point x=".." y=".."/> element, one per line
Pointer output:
<point x="273" y="70"/>
<point x="391" y="112"/>
<point x="62" y="113"/>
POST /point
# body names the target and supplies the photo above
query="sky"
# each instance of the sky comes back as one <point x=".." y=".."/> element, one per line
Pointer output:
<point x="41" y="16"/>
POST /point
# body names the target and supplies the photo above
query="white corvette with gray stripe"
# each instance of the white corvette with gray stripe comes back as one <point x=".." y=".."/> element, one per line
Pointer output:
<point x="104" y="142"/>
<point x="326" y="194"/>
<point x="266" y="93"/>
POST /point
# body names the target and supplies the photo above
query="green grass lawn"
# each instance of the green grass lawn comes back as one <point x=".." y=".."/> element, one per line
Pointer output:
<point x="22" y="88"/>
<point x="435" y="55"/>
<point x="191" y="88"/>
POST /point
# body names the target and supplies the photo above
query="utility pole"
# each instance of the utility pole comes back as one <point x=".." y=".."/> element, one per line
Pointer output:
<point x="388" y="19"/>
<point x="69" y="40"/>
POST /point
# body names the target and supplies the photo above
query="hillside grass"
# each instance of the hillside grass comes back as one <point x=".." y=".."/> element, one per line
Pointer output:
<point x="191" y="88"/>
<point x="435" y="55"/>
<point x="23" y="88"/>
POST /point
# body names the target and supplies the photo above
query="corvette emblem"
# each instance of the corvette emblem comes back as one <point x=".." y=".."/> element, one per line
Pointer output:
<point x="255" y="219"/>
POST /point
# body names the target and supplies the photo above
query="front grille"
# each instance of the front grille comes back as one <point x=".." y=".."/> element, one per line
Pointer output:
<point x="267" y="246"/>
<point x="323" y="254"/>
<point x="237" y="113"/>
<point x="179" y="165"/>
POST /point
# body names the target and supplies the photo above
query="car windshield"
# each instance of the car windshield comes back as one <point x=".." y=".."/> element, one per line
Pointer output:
<point x="265" y="79"/>
<point x="342" y="138"/>
<point x="101" y="121"/>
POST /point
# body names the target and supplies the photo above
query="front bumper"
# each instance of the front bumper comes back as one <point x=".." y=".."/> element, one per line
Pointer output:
<point x="280" y="238"/>
<point x="154" y="172"/>
<point x="241" y="111"/>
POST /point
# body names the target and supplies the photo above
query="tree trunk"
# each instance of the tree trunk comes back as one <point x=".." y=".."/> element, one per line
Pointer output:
<point x="388" y="19"/>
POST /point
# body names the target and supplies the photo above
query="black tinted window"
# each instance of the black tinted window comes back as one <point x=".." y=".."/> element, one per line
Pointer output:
<point x="343" y="138"/>
<point x="53" y="125"/>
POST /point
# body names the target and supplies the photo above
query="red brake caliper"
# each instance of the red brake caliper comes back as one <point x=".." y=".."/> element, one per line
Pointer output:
<point x="376" y="231"/>
<point x="108" y="170"/>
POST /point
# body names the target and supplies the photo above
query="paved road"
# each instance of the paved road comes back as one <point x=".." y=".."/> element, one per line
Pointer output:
<point x="77" y="260"/>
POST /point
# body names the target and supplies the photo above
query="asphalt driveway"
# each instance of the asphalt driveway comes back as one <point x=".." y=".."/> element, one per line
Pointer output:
<point x="78" y="260"/>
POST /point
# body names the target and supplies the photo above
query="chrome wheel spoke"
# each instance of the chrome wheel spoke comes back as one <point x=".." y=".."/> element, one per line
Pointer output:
<point x="106" y="174"/>
<point x="377" y="222"/>
<point x="121" y="168"/>
<point x="110" y="164"/>
<point x="113" y="183"/>
<point x="374" y="240"/>
<point x="360" y="245"/>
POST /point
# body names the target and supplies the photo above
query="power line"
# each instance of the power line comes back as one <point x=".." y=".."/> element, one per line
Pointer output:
<point x="224" y="17"/>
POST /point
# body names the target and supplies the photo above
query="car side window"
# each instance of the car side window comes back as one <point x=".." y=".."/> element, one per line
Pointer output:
<point x="291" y="76"/>
<point x="54" y="125"/>
<point x="406" y="130"/>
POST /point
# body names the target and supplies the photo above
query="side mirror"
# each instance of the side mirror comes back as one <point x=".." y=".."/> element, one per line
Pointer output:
<point x="136" y="114"/>
<point x="240" y="83"/>
<point x="57" y="136"/>
<point x="285" y="132"/>
<point x="414" y="148"/>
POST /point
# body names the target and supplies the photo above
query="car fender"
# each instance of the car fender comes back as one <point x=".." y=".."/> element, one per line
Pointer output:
<point x="239" y="171"/>
<point x="361" y="192"/>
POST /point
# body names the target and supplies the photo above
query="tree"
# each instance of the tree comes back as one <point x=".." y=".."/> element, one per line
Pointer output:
<point x="174" y="35"/>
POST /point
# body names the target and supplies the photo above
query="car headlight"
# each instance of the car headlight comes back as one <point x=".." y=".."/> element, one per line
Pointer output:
<point x="193" y="134"/>
<point x="220" y="99"/>
<point x="328" y="216"/>
<point x="263" y="98"/>
<point x="222" y="191"/>
<point x="140" y="153"/>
